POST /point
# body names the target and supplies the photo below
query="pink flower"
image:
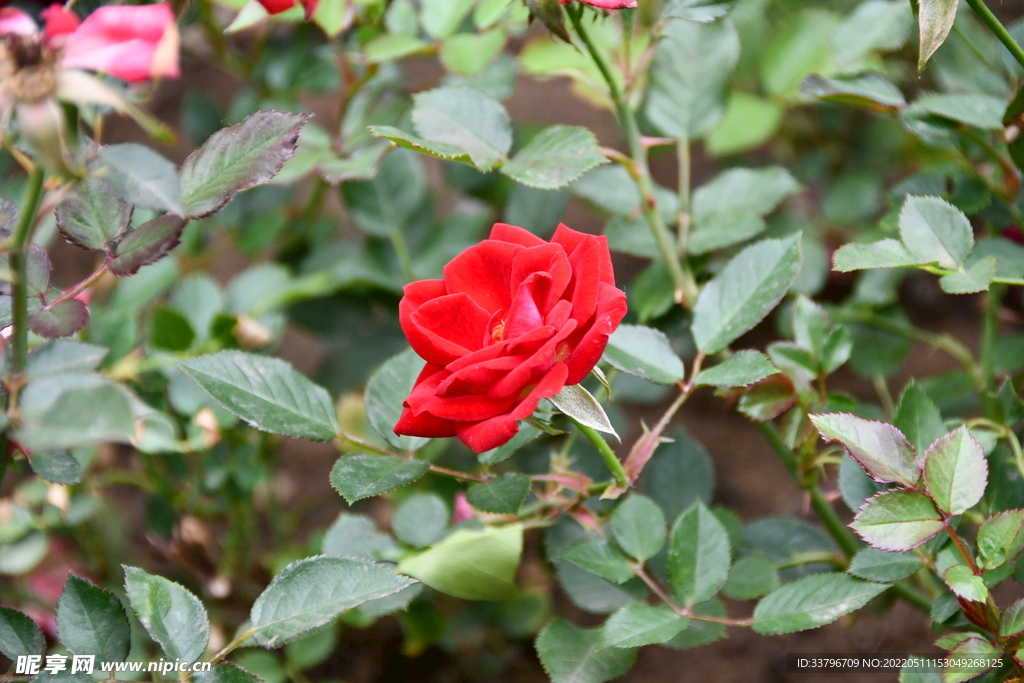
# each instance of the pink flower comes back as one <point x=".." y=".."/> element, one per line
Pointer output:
<point x="133" y="43"/>
<point x="463" y="510"/>
<point x="606" y="4"/>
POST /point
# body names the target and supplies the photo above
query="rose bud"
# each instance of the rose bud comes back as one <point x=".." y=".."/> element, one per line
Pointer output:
<point x="513" y="321"/>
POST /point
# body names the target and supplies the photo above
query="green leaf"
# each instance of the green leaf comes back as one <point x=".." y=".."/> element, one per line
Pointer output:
<point x="751" y="577"/>
<point x="469" y="53"/>
<point x="975" y="277"/>
<point x="638" y="526"/>
<point x="225" y="673"/>
<point x="738" y="370"/>
<point x="236" y="158"/>
<point x="972" y="656"/>
<point x="639" y="625"/>
<point x="744" y="292"/>
<point x="441" y="18"/>
<point x="19" y="635"/>
<point x="749" y="122"/>
<point x="147" y="244"/>
<point x="700" y="11"/>
<point x="356" y="535"/>
<point x="174" y="618"/>
<point x="1010" y="623"/>
<point x="955" y="472"/>
<point x="59" y="320"/>
<point x="897" y="520"/>
<point x="141" y="176"/>
<point x="600" y="557"/>
<point x="644" y="352"/>
<point x="812" y="601"/>
<point x="571" y="654"/>
<point x="421" y="519"/>
<point x="388" y="202"/>
<point x="918" y="418"/>
<point x="698" y="555"/>
<point x="581" y="406"/>
<point x="438" y="150"/>
<point x="504" y="495"/>
<point x="799" y="47"/>
<point x="974" y="109"/>
<point x="312" y="592"/>
<point x="887" y="253"/>
<point x="268" y="393"/>
<point x="935" y="231"/>
<point x="467" y="119"/>
<point x="91" y="621"/>
<point x="880" y="448"/>
<point x="93" y="215"/>
<point x="63" y="356"/>
<point x="884" y="567"/>
<point x="758" y="190"/>
<point x="962" y="581"/>
<point x="555" y="157"/>
<point x="64" y="411"/>
<point x="871" y="90"/>
<point x="1000" y="538"/>
<point x="724" y="228"/>
<point x="935" y="19"/>
<point x="389" y="47"/>
<point x="387" y="389"/>
<point x="689" y="76"/>
<point x="470" y="564"/>
<point x="679" y="474"/>
<point x="59" y="467"/>
<point x="597" y="595"/>
<point x="357" y="476"/>
<point x="875" y="26"/>
<point x="169" y="329"/>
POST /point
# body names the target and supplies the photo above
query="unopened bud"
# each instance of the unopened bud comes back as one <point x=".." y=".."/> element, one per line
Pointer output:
<point x="252" y="334"/>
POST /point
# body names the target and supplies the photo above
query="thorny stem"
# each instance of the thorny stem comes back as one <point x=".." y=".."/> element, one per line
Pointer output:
<point x="610" y="459"/>
<point x="685" y="286"/>
<point x="994" y="25"/>
<point x="74" y="291"/>
<point x="19" y="251"/>
<point x="663" y="595"/>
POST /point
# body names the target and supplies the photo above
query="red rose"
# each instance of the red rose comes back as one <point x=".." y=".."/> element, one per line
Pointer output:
<point x="514" y="320"/>
<point x="278" y="6"/>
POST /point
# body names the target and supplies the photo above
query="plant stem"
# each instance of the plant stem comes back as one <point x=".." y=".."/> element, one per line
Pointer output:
<point x="989" y="332"/>
<point x="958" y="542"/>
<point x="606" y="452"/>
<point x="996" y="26"/>
<point x="663" y="595"/>
<point x="685" y="286"/>
<point x="18" y="260"/>
<point x="830" y="518"/>
<point x="683" y="155"/>
<point x="839" y="532"/>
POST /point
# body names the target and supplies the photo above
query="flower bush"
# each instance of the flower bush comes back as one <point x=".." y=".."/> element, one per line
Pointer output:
<point x="796" y="220"/>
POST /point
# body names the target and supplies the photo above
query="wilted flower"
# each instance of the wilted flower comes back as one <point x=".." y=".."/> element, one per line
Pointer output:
<point x="38" y="68"/>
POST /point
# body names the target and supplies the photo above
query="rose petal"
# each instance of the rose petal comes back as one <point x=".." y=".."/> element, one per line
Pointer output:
<point x="133" y="43"/>
<point x="453" y="324"/>
<point x="498" y="430"/>
<point x="14" y="21"/>
<point x="484" y="273"/>
<point x="588" y="346"/>
<point x="504" y="232"/>
<point x="571" y="239"/>
<point x="549" y="259"/>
